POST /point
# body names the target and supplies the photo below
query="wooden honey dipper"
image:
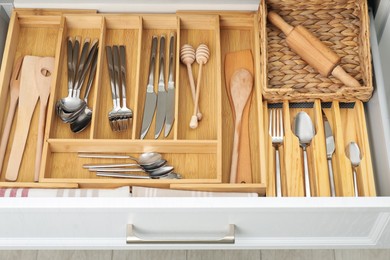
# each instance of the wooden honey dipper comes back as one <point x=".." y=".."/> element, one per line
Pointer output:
<point x="202" y="56"/>
<point x="313" y="51"/>
<point x="187" y="57"/>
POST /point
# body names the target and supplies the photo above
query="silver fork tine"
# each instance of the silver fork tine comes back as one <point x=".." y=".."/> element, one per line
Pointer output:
<point x="277" y="133"/>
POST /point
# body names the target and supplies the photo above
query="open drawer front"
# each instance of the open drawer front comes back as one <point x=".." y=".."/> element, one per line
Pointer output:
<point x="201" y="155"/>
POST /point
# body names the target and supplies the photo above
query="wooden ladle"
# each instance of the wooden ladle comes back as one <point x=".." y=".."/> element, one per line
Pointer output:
<point x="187" y="57"/>
<point x="202" y="56"/>
<point x="241" y="85"/>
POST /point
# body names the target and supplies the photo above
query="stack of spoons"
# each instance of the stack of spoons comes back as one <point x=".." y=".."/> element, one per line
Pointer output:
<point x="72" y="109"/>
<point x="151" y="164"/>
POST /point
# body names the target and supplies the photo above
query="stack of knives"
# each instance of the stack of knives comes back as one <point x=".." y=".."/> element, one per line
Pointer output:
<point x="165" y="99"/>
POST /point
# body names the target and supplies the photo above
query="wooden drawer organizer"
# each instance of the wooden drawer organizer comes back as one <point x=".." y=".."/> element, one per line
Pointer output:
<point x="347" y="121"/>
<point x="201" y="156"/>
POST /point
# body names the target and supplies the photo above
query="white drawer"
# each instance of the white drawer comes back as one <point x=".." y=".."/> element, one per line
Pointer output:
<point x="259" y="222"/>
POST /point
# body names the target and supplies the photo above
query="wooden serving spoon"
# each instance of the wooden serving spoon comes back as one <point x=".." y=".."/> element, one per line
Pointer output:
<point x="187" y="57"/>
<point x="241" y="85"/>
<point x="233" y="61"/>
<point x="202" y="56"/>
<point x="43" y="71"/>
<point x="14" y="88"/>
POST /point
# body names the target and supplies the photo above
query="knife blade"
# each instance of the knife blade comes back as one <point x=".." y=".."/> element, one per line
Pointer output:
<point x="170" y="104"/>
<point x="151" y="96"/>
<point x="330" y="148"/>
<point x="162" y="94"/>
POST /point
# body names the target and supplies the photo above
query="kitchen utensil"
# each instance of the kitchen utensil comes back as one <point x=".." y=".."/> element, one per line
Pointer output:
<point x="84" y="118"/>
<point x="187" y="57"/>
<point x="202" y="56"/>
<point x="144" y="159"/>
<point x="147" y="167"/>
<point x="330" y="147"/>
<point x="241" y="85"/>
<point x="85" y="62"/>
<point x="71" y="103"/>
<point x="125" y="113"/>
<point x="304" y="130"/>
<point x="170" y="175"/>
<point x="116" y="117"/>
<point x="151" y="97"/>
<point x="170" y="106"/>
<point x="233" y="61"/>
<point x="276" y="130"/>
<point x="114" y="90"/>
<point x="353" y="153"/>
<point x="28" y="98"/>
<point x="162" y="94"/>
<point x="313" y="51"/>
<point x="14" y="88"/>
<point x="43" y="71"/>
<point x="153" y="173"/>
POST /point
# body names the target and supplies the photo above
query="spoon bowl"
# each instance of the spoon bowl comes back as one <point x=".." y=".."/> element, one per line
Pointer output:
<point x="304" y="130"/>
<point x="353" y="153"/>
<point x="82" y="120"/>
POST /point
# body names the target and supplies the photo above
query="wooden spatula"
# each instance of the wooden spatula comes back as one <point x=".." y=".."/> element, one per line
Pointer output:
<point x="233" y="62"/>
<point x="28" y="98"/>
<point x="43" y="70"/>
<point x="14" y="88"/>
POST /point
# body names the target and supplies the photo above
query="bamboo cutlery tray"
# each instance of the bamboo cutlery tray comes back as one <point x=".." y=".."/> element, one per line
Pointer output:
<point x="202" y="156"/>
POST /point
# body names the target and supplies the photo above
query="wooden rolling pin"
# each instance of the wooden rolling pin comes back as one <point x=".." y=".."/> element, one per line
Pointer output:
<point x="313" y="51"/>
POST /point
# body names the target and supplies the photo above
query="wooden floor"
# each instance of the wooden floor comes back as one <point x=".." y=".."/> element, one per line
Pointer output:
<point x="199" y="255"/>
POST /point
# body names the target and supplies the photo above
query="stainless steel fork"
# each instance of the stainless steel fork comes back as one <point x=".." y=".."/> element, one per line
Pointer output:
<point x="276" y="132"/>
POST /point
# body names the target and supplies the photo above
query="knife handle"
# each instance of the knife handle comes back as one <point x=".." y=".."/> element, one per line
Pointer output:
<point x="171" y="58"/>
<point x="152" y="63"/>
<point x="162" y="59"/>
<point x="122" y="50"/>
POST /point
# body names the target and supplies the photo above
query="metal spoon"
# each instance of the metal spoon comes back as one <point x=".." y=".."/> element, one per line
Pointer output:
<point x="170" y="175"/>
<point x="147" y="167"/>
<point x="353" y="153"/>
<point x="84" y="118"/>
<point x="155" y="173"/>
<point x="144" y="159"/>
<point x="304" y="130"/>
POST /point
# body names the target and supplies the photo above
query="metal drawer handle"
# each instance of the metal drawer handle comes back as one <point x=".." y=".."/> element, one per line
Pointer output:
<point x="132" y="238"/>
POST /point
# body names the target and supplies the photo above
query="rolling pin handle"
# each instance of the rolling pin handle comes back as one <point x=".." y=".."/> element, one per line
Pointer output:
<point x="278" y="21"/>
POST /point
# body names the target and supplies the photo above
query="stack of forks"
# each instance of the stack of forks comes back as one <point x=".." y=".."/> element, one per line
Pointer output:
<point x="120" y="117"/>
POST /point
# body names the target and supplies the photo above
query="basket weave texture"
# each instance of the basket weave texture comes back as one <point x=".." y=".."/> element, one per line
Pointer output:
<point x="340" y="25"/>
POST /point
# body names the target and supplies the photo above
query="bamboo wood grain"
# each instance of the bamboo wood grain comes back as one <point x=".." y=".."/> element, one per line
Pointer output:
<point x="234" y="61"/>
<point x="27" y="101"/>
<point x="43" y="70"/>
<point x="14" y="88"/>
<point x="258" y="188"/>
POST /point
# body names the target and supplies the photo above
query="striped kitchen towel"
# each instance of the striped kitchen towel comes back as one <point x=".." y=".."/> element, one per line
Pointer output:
<point x="32" y="192"/>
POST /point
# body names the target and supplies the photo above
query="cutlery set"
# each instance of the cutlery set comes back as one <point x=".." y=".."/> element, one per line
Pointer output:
<point x="72" y="109"/>
<point x="152" y="166"/>
<point x="304" y="130"/>
<point x="120" y="117"/>
<point x="163" y="102"/>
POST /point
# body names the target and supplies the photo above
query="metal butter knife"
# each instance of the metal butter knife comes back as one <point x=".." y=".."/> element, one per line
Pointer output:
<point x="330" y="147"/>
<point x="170" y="104"/>
<point x="151" y="97"/>
<point x="162" y="94"/>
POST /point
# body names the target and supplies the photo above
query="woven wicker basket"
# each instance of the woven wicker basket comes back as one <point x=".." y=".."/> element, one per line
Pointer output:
<point x="343" y="25"/>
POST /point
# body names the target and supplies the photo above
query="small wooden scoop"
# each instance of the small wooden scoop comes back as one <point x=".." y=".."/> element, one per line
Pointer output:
<point x="233" y="62"/>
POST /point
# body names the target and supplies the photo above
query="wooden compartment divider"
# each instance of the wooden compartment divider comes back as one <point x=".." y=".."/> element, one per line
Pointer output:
<point x="202" y="155"/>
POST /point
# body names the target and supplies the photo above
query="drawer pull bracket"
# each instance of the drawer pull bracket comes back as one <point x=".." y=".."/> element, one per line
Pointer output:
<point x="132" y="238"/>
